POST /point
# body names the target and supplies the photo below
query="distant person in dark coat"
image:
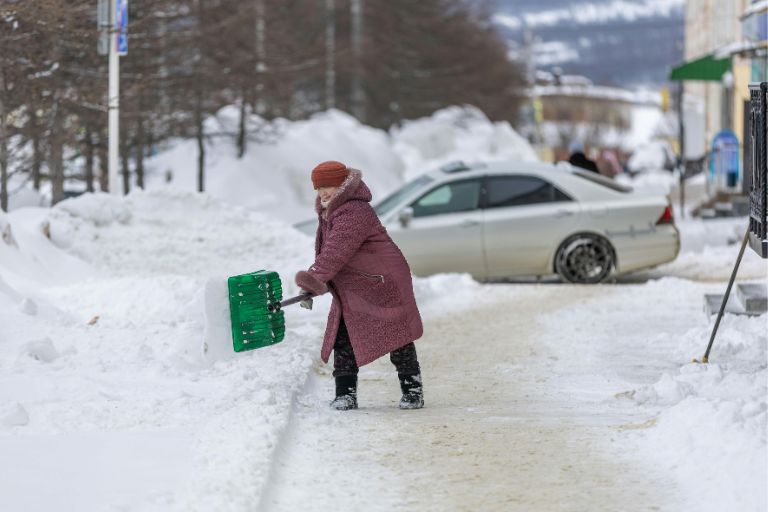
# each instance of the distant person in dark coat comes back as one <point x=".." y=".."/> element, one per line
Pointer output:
<point x="579" y="159"/>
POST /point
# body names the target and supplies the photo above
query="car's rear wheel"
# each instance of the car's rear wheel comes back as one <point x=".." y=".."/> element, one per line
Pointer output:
<point x="585" y="259"/>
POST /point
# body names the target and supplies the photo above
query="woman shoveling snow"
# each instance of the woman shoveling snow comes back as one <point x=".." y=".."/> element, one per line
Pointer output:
<point x="374" y="311"/>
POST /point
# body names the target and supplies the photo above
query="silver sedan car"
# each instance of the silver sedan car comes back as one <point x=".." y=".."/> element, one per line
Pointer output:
<point x="513" y="219"/>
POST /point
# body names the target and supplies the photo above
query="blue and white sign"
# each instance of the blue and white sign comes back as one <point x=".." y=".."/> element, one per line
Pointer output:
<point x="122" y="27"/>
<point x="724" y="160"/>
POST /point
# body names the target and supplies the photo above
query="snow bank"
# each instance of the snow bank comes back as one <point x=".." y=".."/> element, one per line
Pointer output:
<point x="445" y="293"/>
<point x="708" y="252"/>
<point x="111" y="364"/>
<point x="700" y="427"/>
<point x="456" y="133"/>
<point x="711" y="430"/>
<point x="6" y="237"/>
<point x="652" y="183"/>
<point x="273" y="175"/>
<point x="653" y="155"/>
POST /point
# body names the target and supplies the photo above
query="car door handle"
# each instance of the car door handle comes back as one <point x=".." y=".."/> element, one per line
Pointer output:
<point x="468" y="223"/>
<point x="563" y="213"/>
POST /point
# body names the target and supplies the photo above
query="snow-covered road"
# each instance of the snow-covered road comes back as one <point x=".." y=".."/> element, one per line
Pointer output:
<point x="539" y="396"/>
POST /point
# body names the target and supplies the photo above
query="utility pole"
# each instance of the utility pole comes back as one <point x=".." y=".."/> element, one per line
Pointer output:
<point x="681" y="135"/>
<point x="112" y="24"/>
<point x="113" y="101"/>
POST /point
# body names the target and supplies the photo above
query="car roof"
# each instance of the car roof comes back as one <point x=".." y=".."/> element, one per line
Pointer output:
<point x="457" y="169"/>
<point x="564" y="175"/>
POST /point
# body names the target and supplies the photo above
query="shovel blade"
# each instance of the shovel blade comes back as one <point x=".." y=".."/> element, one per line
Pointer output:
<point x="253" y="325"/>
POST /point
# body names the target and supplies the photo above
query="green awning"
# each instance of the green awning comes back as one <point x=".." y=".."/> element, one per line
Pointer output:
<point x="705" y="68"/>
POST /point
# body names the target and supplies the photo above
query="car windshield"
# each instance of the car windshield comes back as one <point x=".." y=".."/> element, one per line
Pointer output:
<point x="394" y="199"/>
<point x="602" y="180"/>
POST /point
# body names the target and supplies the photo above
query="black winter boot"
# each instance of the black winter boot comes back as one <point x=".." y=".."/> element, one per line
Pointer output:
<point x="413" y="395"/>
<point x="346" y="393"/>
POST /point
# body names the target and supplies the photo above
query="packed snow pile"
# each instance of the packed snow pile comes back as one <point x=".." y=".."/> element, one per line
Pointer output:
<point x="649" y="122"/>
<point x="656" y="182"/>
<point x="6" y="236"/>
<point x="708" y="252"/>
<point x="445" y="293"/>
<point x="700" y="426"/>
<point x="104" y="384"/>
<point x="711" y="429"/>
<point x="453" y="134"/>
<point x="183" y="232"/>
<point x="273" y="175"/>
<point x="650" y="156"/>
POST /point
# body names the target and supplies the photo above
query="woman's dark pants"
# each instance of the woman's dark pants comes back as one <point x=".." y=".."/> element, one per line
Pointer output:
<point x="344" y="364"/>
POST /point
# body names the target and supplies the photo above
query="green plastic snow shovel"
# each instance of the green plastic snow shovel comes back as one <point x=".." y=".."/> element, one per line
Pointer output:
<point x="255" y="308"/>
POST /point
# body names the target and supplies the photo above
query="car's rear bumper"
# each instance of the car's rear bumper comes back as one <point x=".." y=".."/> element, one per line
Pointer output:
<point x="653" y="247"/>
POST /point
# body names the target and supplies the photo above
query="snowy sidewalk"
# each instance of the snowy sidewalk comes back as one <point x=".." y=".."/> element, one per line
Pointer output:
<point x="495" y="434"/>
<point x="539" y="397"/>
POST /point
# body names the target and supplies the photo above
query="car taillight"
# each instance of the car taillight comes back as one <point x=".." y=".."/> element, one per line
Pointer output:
<point x="666" y="217"/>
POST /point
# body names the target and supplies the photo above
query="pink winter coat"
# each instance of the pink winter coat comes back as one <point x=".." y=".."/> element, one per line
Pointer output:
<point x="357" y="261"/>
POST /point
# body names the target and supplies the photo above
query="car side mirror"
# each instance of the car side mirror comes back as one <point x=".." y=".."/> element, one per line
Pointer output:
<point x="405" y="216"/>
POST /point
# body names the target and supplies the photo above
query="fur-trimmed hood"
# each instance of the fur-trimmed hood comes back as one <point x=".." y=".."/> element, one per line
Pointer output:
<point x="353" y="188"/>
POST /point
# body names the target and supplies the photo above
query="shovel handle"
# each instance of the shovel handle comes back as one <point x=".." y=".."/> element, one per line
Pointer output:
<point x="287" y="302"/>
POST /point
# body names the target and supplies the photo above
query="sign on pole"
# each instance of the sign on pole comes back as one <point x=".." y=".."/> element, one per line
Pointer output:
<point x="122" y="27"/>
<point x="104" y="25"/>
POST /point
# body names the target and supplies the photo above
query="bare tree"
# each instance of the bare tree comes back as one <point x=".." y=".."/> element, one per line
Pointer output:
<point x="381" y="61"/>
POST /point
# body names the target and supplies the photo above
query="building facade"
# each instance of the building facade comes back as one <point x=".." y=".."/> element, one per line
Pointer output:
<point x="725" y="50"/>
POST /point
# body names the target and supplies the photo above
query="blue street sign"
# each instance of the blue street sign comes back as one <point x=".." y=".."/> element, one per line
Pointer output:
<point x="122" y="27"/>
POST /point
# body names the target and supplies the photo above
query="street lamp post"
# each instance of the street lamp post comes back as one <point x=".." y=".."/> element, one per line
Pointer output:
<point x="113" y="101"/>
<point x="112" y="24"/>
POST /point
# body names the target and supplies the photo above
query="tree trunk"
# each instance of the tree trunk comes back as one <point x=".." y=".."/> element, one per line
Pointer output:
<point x="357" y="99"/>
<point x="126" y="168"/>
<point x="37" y="152"/>
<point x="261" y="56"/>
<point x="241" y="139"/>
<point x="103" y="162"/>
<point x="330" y="55"/>
<point x="3" y="158"/>
<point x="140" y="145"/>
<point x="56" y="155"/>
<point x="198" y="107"/>
<point x="3" y="149"/>
<point x="200" y="135"/>
<point x="89" y="158"/>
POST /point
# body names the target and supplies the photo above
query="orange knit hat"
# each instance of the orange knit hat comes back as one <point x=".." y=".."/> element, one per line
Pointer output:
<point x="329" y="174"/>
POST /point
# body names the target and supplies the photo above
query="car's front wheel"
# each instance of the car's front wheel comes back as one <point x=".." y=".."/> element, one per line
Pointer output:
<point x="585" y="259"/>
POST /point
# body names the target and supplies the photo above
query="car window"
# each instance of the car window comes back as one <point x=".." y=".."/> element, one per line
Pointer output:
<point x="458" y="196"/>
<point x="520" y="190"/>
<point x="394" y="199"/>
